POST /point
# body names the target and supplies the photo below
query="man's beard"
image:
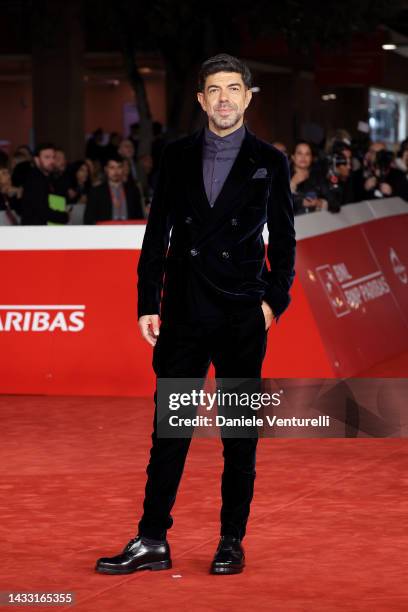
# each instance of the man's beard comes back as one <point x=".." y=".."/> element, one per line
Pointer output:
<point x="226" y="122"/>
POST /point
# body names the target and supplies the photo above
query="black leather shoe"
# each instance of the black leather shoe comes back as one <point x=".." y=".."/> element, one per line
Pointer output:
<point x="137" y="555"/>
<point x="229" y="557"/>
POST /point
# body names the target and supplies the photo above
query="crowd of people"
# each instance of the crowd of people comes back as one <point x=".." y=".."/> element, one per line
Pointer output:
<point x="113" y="182"/>
<point x="345" y="173"/>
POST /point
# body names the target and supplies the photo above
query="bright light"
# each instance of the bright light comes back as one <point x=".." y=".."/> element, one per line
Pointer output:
<point x="389" y="47"/>
<point x="255" y="89"/>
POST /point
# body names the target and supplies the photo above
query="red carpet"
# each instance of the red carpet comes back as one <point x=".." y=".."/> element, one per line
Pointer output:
<point x="328" y="529"/>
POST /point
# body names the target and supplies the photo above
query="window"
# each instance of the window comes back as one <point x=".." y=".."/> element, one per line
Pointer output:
<point x="388" y="116"/>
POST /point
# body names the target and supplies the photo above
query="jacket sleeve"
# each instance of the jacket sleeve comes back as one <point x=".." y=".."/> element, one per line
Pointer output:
<point x="57" y="216"/>
<point x="90" y="208"/>
<point x="282" y="243"/>
<point x="35" y="207"/>
<point x="150" y="269"/>
<point x="134" y="201"/>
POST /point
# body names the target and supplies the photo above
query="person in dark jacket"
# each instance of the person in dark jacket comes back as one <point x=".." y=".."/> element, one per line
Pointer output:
<point x="206" y="294"/>
<point x="113" y="200"/>
<point x="38" y="190"/>
<point x="385" y="180"/>
<point x="309" y="188"/>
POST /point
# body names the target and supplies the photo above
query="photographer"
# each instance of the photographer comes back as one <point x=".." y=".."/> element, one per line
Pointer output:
<point x="401" y="161"/>
<point x="341" y="177"/>
<point x="309" y="189"/>
<point x="383" y="179"/>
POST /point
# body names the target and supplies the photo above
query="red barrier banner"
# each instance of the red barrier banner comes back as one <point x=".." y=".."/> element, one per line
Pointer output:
<point x="68" y="310"/>
<point x="357" y="285"/>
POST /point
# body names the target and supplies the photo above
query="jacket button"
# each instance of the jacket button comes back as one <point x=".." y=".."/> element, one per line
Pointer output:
<point x="225" y="254"/>
<point x="234" y="221"/>
<point x="194" y="252"/>
<point x="188" y="220"/>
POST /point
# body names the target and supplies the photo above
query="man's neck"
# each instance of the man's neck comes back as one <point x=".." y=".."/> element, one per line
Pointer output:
<point x="42" y="170"/>
<point x="115" y="183"/>
<point x="224" y="131"/>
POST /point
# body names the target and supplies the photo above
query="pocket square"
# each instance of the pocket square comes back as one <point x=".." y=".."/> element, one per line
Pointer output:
<point x="260" y="173"/>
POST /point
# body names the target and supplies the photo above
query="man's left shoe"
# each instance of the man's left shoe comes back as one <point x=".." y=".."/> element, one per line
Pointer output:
<point x="229" y="557"/>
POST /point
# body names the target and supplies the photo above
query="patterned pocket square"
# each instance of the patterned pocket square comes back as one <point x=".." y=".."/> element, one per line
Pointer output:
<point x="260" y="173"/>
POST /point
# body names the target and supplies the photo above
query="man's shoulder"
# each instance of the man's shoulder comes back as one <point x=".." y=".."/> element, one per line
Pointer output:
<point x="98" y="191"/>
<point x="35" y="182"/>
<point x="180" y="143"/>
<point x="101" y="188"/>
<point x="35" y="174"/>
<point x="268" y="151"/>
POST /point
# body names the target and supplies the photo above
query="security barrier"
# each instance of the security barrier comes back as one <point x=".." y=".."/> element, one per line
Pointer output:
<point x="68" y="322"/>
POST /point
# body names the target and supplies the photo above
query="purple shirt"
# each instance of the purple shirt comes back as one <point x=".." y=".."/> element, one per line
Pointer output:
<point x="219" y="153"/>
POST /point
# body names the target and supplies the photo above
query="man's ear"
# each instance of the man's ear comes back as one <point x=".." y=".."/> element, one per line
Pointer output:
<point x="200" y="98"/>
<point x="248" y="97"/>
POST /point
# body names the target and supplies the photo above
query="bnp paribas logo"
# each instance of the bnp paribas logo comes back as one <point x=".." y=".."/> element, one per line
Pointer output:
<point x="42" y="318"/>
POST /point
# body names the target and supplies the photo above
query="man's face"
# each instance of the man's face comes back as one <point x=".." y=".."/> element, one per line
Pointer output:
<point x="224" y="99"/>
<point x="373" y="150"/>
<point x="46" y="160"/>
<point x="60" y="161"/>
<point x="345" y="169"/>
<point x="114" y="171"/>
<point x="126" y="149"/>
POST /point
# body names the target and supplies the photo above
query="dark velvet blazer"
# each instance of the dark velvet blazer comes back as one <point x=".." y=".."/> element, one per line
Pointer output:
<point x="222" y="244"/>
<point x="99" y="206"/>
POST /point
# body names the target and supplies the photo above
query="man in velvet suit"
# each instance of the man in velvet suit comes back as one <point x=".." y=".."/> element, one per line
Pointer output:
<point x="207" y="295"/>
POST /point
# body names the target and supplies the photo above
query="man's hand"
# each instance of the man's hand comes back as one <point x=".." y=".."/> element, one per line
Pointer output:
<point x="149" y="328"/>
<point x="268" y="314"/>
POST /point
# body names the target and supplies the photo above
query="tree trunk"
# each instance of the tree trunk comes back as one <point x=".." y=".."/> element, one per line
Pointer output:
<point x="137" y="83"/>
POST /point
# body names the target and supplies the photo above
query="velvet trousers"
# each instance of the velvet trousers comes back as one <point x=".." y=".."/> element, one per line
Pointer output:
<point x="236" y="344"/>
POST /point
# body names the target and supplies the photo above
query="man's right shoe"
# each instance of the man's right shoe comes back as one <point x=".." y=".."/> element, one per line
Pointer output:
<point x="229" y="557"/>
<point x="138" y="554"/>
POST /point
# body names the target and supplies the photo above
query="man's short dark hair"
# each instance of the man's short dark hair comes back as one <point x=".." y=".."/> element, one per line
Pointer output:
<point x="43" y="146"/>
<point x="339" y="146"/>
<point x="113" y="157"/>
<point x="223" y="63"/>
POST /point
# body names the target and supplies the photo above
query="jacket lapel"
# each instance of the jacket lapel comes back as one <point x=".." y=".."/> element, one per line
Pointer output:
<point x="193" y="162"/>
<point x="241" y="171"/>
<point x="227" y="201"/>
